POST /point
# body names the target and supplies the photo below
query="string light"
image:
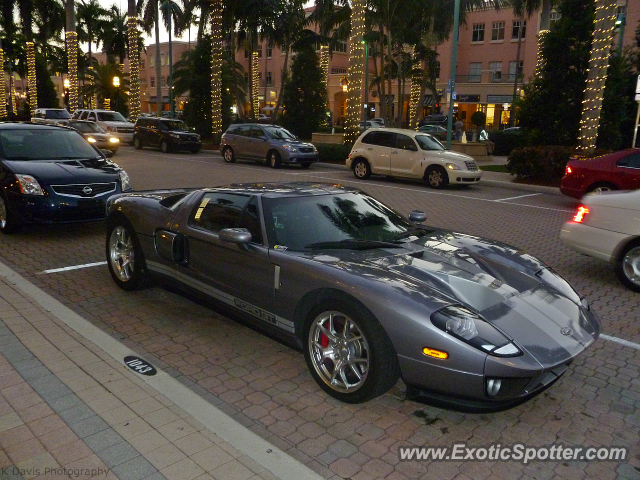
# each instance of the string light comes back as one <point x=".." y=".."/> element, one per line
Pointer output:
<point x="3" y="93"/>
<point x="106" y="104"/>
<point x="12" y="89"/>
<point x="324" y="65"/>
<point x="216" y="68"/>
<point x="93" y="102"/>
<point x="597" y="74"/>
<point x="71" y="40"/>
<point x="255" y="76"/>
<point x="540" y="60"/>
<point x="416" y="90"/>
<point x="134" y="68"/>
<point x="356" y="67"/>
<point x="31" y="78"/>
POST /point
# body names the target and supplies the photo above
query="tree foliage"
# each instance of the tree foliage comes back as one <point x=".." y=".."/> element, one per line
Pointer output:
<point x="304" y="94"/>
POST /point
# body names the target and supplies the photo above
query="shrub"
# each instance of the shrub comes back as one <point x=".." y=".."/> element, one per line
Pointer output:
<point x="539" y="163"/>
<point x="333" y="152"/>
<point x="507" y="141"/>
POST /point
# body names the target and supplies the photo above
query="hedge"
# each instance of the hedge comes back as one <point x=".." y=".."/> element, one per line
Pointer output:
<point x="333" y="152"/>
<point x="539" y="163"/>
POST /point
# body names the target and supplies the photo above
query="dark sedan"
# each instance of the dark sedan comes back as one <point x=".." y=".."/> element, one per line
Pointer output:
<point x="369" y="295"/>
<point x="615" y="171"/>
<point x="51" y="174"/>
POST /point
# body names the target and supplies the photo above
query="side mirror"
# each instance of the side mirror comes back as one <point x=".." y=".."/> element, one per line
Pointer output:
<point x="416" y="216"/>
<point x="239" y="236"/>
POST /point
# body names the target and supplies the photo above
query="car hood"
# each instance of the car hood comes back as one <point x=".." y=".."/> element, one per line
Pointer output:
<point x="66" y="171"/>
<point x="298" y="143"/>
<point x="622" y="199"/>
<point x="117" y="124"/>
<point x="98" y="136"/>
<point x="514" y="291"/>
<point x="451" y="156"/>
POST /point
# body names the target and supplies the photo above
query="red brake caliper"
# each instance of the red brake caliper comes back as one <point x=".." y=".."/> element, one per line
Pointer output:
<point x="325" y="340"/>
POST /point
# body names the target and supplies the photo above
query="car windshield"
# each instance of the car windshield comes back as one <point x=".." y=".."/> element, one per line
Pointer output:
<point x="352" y="219"/>
<point x="174" y="126"/>
<point x="427" y="142"/>
<point x="87" y="127"/>
<point x="279" y="133"/>
<point x="57" y="114"/>
<point x="110" y="117"/>
<point x="44" y="144"/>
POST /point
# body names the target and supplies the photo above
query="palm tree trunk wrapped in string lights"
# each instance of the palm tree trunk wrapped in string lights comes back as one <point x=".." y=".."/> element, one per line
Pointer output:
<point x="597" y="74"/>
<point x="134" y="61"/>
<point x="71" y="40"/>
<point x="416" y="91"/>
<point x="255" y="84"/>
<point x="216" y="69"/>
<point x="356" y="68"/>
<point x="31" y="78"/>
<point x="3" y="93"/>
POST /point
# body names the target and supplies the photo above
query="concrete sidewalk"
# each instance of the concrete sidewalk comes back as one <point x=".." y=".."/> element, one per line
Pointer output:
<point x="71" y="408"/>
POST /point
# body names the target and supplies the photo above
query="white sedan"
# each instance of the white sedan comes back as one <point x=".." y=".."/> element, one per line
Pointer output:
<point x="607" y="226"/>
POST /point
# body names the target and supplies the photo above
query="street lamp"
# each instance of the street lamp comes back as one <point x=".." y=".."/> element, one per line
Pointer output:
<point x="66" y="84"/>
<point x="116" y="83"/>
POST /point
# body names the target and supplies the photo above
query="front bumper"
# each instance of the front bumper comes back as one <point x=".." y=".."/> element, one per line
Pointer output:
<point x="299" y="157"/>
<point x="464" y="176"/>
<point x="179" y="144"/>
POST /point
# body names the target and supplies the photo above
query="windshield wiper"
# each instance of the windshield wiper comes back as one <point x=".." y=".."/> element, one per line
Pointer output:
<point x="412" y="231"/>
<point x="353" y="245"/>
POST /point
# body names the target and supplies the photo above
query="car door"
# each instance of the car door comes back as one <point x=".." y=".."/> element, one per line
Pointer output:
<point x="259" y="145"/>
<point x="404" y="156"/>
<point x="627" y="171"/>
<point x="240" y="276"/>
<point x="240" y="141"/>
<point x="377" y="147"/>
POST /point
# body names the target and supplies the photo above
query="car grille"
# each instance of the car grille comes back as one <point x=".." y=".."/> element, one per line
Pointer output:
<point x="124" y="129"/>
<point x="84" y="190"/>
<point x="471" y="165"/>
<point x="305" y="149"/>
<point x="189" y="138"/>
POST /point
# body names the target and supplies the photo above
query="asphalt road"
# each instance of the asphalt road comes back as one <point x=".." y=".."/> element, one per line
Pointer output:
<point x="265" y="385"/>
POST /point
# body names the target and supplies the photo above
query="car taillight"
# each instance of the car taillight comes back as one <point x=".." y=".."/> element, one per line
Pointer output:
<point x="567" y="171"/>
<point x="580" y="214"/>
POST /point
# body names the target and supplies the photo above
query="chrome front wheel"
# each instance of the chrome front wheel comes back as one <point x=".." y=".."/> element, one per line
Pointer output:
<point x="628" y="267"/>
<point x="124" y="256"/>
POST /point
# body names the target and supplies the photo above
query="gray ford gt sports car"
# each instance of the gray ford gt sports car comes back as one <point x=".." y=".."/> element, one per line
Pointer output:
<point x="369" y="295"/>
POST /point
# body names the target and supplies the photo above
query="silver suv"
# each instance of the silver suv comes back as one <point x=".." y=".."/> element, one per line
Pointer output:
<point x="113" y="122"/>
<point x="271" y="144"/>
<point x="52" y="116"/>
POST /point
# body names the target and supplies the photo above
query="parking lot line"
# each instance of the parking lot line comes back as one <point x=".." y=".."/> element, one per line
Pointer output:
<point x="626" y="343"/>
<point x="73" y="267"/>
<point x="519" y="196"/>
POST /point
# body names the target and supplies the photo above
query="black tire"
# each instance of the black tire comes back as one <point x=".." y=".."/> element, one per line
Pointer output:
<point x="137" y="143"/>
<point x="9" y="222"/>
<point x="436" y="177"/>
<point x="124" y="255"/>
<point x="164" y="146"/>
<point x="366" y="341"/>
<point x="627" y="266"/>
<point x="361" y="169"/>
<point x="228" y="155"/>
<point x="601" y="187"/>
<point x="305" y="165"/>
<point x="273" y="159"/>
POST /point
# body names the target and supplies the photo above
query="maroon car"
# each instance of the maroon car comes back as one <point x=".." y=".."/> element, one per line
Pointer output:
<point x="615" y="171"/>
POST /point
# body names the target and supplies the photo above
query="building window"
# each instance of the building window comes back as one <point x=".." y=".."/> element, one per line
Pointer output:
<point x="141" y="64"/>
<point x="496" y="71"/>
<point x="478" y="32"/>
<point x="341" y="47"/>
<point x="268" y="79"/>
<point x="246" y="78"/>
<point x="152" y="81"/>
<point x="497" y="31"/>
<point x="437" y="70"/>
<point x="163" y="82"/>
<point x="512" y="70"/>
<point x="475" y="72"/>
<point x="246" y="53"/>
<point x="338" y="71"/>
<point x="259" y="50"/>
<point x="152" y="61"/>
<point x="519" y="25"/>
<point x="269" y="50"/>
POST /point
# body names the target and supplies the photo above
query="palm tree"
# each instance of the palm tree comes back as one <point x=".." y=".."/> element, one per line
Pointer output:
<point x="71" y="39"/>
<point x="103" y="86"/>
<point x="26" y="9"/>
<point x="115" y="34"/>
<point x="91" y="19"/>
<point x="134" y="60"/>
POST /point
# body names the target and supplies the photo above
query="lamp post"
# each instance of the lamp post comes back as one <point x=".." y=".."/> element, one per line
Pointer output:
<point x="366" y="81"/>
<point x="620" y="23"/>
<point x="116" y="83"/>
<point x="454" y="59"/>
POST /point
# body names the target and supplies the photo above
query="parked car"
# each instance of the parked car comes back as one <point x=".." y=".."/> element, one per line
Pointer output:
<point x="370" y="296"/>
<point x="271" y="144"/>
<point x="615" y="171"/>
<point x="379" y="121"/>
<point x="406" y="153"/>
<point x="435" y="130"/>
<point x="95" y="134"/>
<point x="434" y="119"/>
<point x="165" y="134"/>
<point x="607" y="227"/>
<point x="52" y="116"/>
<point x="369" y="124"/>
<point x="51" y="174"/>
<point x="113" y="122"/>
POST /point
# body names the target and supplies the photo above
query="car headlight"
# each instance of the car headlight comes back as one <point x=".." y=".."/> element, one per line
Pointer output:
<point x="174" y="135"/>
<point x="453" y="166"/>
<point x="471" y="328"/>
<point x="124" y="181"/>
<point x="114" y="140"/>
<point x="91" y="140"/>
<point x="29" y="185"/>
<point x="289" y="148"/>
